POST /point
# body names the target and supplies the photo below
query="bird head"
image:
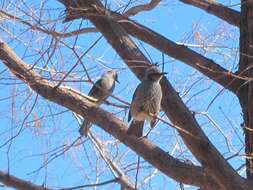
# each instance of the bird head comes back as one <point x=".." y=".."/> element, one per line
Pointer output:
<point x="154" y="74"/>
<point x="113" y="74"/>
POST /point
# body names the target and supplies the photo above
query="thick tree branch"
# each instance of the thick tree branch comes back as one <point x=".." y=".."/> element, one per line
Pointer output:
<point x="200" y="146"/>
<point x="229" y="15"/>
<point x="17" y="183"/>
<point x="76" y="102"/>
<point x="246" y="92"/>
<point x="204" y="65"/>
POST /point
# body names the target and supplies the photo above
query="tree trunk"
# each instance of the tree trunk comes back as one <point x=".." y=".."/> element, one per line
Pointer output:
<point x="245" y="68"/>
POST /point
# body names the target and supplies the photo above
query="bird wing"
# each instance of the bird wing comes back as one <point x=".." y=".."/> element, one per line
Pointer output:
<point x="140" y="95"/>
<point x="96" y="89"/>
<point x="135" y="95"/>
<point x="129" y="113"/>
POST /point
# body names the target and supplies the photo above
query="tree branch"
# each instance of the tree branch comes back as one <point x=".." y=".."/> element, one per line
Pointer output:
<point x="229" y="15"/>
<point x="145" y="7"/>
<point x="118" y="174"/>
<point x="204" y="65"/>
<point x="76" y="102"/>
<point x="17" y="183"/>
<point x="123" y="180"/>
<point x="116" y="180"/>
<point x="245" y="68"/>
<point x="200" y="146"/>
<point x="7" y="16"/>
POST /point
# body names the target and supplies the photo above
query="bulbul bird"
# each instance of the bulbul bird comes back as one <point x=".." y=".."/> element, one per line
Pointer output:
<point x="146" y="102"/>
<point x="100" y="91"/>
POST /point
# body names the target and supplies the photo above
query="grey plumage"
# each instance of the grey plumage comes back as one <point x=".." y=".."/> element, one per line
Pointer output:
<point x="100" y="91"/>
<point x="146" y="102"/>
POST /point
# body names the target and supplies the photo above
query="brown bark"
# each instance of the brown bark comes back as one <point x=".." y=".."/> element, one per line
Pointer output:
<point x="212" y="161"/>
<point x="229" y="15"/>
<point x="11" y="181"/>
<point x="116" y="28"/>
<point x="140" y="8"/>
<point x="246" y="92"/>
<point x="180" y="171"/>
<point x="204" y="65"/>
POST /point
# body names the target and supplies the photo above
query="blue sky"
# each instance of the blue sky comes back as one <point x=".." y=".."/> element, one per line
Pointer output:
<point x="178" y="22"/>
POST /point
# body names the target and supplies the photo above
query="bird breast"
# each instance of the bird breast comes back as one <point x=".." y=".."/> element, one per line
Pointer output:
<point x="147" y="100"/>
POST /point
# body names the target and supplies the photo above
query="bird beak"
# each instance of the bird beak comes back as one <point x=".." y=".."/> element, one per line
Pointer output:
<point x="164" y="73"/>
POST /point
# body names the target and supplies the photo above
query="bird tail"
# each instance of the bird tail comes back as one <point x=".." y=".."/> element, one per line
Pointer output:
<point x="136" y="128"/>
<point x="84" y="129"/>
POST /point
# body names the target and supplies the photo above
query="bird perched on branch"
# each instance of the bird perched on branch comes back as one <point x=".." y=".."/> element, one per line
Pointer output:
<point x="146" y="102"/>
<point x="100" y="91"/>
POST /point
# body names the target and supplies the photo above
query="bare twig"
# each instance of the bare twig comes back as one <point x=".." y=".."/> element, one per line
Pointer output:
<point x="76" y="103"/>
<point x="131" y="54"/>
<point x="144" y="7"/>
<point x="180" y="52"/>
<point x="123" y="180"/>
<point x="8" y="16"/>
<point x="92" y="185"/>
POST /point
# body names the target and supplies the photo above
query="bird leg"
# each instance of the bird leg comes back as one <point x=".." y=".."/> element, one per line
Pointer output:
<point x="153" y="123"/>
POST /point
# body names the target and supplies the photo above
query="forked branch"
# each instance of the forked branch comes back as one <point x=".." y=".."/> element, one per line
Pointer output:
<point x="76" y="102"/>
